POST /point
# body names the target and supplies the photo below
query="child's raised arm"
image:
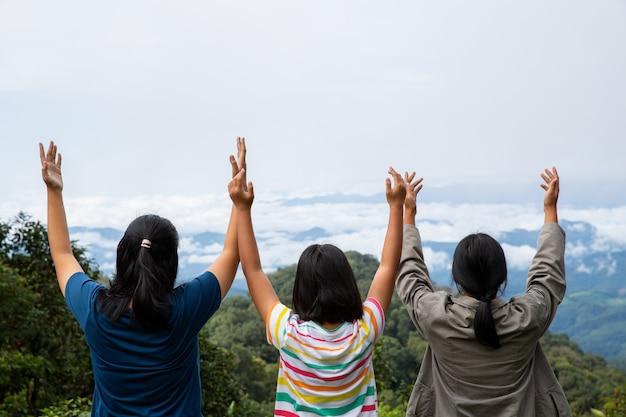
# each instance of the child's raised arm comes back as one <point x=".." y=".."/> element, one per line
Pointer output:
<point x="225" y="265"/>
<point x="65" y="264"/>
<point x="260" y="287"/>
<point x="382" y="285"/>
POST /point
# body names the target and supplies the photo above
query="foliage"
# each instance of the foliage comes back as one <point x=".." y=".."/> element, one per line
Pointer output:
<point x="222" y="393"/>
<point x="613" y="406"/>
<point x="585" y="378"/>
<point x="385" y="410"/>
<point x="44" y="354"/>
<point x="77" y="407"/>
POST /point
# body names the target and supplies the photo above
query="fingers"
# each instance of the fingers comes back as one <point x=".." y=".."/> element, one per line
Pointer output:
<point x="241" y="147"/>
<point x="234" y="166"/>
<point x="397" y="178"/>
<point x="417" y="185"/>
<point x="42" y="155"/>
<point x="550" y="177"/>
<point x="241" y="152"/>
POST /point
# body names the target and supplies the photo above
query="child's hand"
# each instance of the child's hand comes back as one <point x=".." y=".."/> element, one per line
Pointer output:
<point x="397" y="193"/>
<point x="51" y="167"/>
<point x="240" y="193"/>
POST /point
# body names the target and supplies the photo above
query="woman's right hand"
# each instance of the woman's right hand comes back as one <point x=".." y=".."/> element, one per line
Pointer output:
<point x="51" y="167"/>
<point x="551" y="178"/>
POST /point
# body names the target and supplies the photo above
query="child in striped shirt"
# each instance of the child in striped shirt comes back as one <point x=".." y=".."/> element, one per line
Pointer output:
<point x="326" y="342"/>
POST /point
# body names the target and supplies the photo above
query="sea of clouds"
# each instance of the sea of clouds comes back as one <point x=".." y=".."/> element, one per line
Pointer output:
<point x="285" y="225"/>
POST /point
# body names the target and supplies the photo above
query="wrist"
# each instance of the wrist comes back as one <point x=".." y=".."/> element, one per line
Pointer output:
<point x="55" y="190"/>
<point x="550" y="213"/>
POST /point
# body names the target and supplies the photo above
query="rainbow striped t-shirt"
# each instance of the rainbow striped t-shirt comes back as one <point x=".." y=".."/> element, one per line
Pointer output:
<point x="325" y="372"/>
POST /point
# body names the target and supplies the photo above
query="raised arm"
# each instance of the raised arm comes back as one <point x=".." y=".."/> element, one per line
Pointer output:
<point x="382" y="285"/>
<point x="546" y="276"/>
<point x="413" y="280"/>
<point x="260" y="287"/>
<point x="65" y="263"/>
<point x="225" y="265"/>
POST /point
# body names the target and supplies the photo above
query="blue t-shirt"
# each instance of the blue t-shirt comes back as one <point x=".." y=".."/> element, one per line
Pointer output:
<point x="139" y="372"/>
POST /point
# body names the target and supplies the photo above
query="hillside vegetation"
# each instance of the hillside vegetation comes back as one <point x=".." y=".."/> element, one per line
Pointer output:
<point x="237" y="326"/>
<point x="44" y="359"/>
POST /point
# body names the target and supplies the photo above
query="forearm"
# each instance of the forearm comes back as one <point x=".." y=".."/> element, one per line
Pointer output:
<point x="260" y="287"/>
<point x="413" y="277"/>
<point x="58" y="233"/>
<point x="547" y="270"/>
<point x="65" y="264"/>
<point x="409" y="215"/>
<point x="225" y="266"/>
<point x="383" y="283"/>
<point x="392" y="245"/>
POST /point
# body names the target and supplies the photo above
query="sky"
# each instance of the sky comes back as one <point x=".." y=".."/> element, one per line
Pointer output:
<point x="145" y="100"/>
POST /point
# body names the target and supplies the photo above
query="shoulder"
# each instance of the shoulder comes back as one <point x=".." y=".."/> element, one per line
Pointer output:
<point x="80" y="296"/>
<point x="203" y="289"/>
<point x="279" y="312"/>
<point x="203" y="285"/>
<point x="79" y="283"/>
<point x="373" y="317"/>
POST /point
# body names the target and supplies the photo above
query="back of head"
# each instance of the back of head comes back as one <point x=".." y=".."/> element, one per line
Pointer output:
<point x="146" y="268"/>
<point x="479" y="270"/>
<point x="325" y="289"/>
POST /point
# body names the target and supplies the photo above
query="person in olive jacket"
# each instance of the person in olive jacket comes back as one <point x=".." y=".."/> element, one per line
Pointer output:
<point x="483" y="356"/>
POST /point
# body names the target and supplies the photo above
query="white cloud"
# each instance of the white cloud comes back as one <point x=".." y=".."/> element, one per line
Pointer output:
<point x="582" y="268"/>
<point x="93" y="238"/>
<point x="518" y="257"/>
<point x="437" y="260"/>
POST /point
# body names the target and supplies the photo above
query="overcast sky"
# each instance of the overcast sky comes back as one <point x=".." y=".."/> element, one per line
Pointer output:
<point x="146" y="98"/>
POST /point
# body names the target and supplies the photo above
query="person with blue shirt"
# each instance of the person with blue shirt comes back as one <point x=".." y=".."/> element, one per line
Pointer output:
<point x="142" y="331"/>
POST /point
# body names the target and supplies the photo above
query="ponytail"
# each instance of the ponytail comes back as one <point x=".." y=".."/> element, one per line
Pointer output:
<point x="479" y="269"/>
<point x="146" y="268"/>
<point x="151" y="296"/>
<point x="484" y="326"/>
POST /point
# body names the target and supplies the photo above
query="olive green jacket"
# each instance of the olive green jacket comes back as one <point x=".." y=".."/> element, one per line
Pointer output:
<point x="458" y="375"/>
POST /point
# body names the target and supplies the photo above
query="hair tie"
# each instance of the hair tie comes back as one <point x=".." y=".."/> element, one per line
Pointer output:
<point x="146" y="243"/>
<point x="485" y="300"/>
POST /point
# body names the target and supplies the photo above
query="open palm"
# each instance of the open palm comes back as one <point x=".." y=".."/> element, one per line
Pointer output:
<point x="51" y="166"/>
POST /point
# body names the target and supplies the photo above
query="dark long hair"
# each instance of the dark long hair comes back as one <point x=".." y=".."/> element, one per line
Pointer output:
<point x="479" y="269"/>
<point x="144" y="274"/>
<point x="325" y="289"/>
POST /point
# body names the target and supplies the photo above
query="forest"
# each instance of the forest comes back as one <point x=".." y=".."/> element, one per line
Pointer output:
<point x="45" y="368"/>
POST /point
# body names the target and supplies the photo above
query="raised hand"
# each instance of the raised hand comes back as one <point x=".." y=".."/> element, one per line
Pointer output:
<point x="412" y="189"/>
<point x="51" y="166"/>
<point x="239" y="163"/>
<point x="551" y="178"/>
<point x="398" y="191"/>
<point x="240" y="193"/>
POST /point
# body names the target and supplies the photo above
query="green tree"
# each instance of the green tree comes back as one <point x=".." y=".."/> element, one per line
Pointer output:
<point x="42" y="346"/>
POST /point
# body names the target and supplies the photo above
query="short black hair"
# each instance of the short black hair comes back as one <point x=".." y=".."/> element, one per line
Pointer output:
<point x="325" y="289"/>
